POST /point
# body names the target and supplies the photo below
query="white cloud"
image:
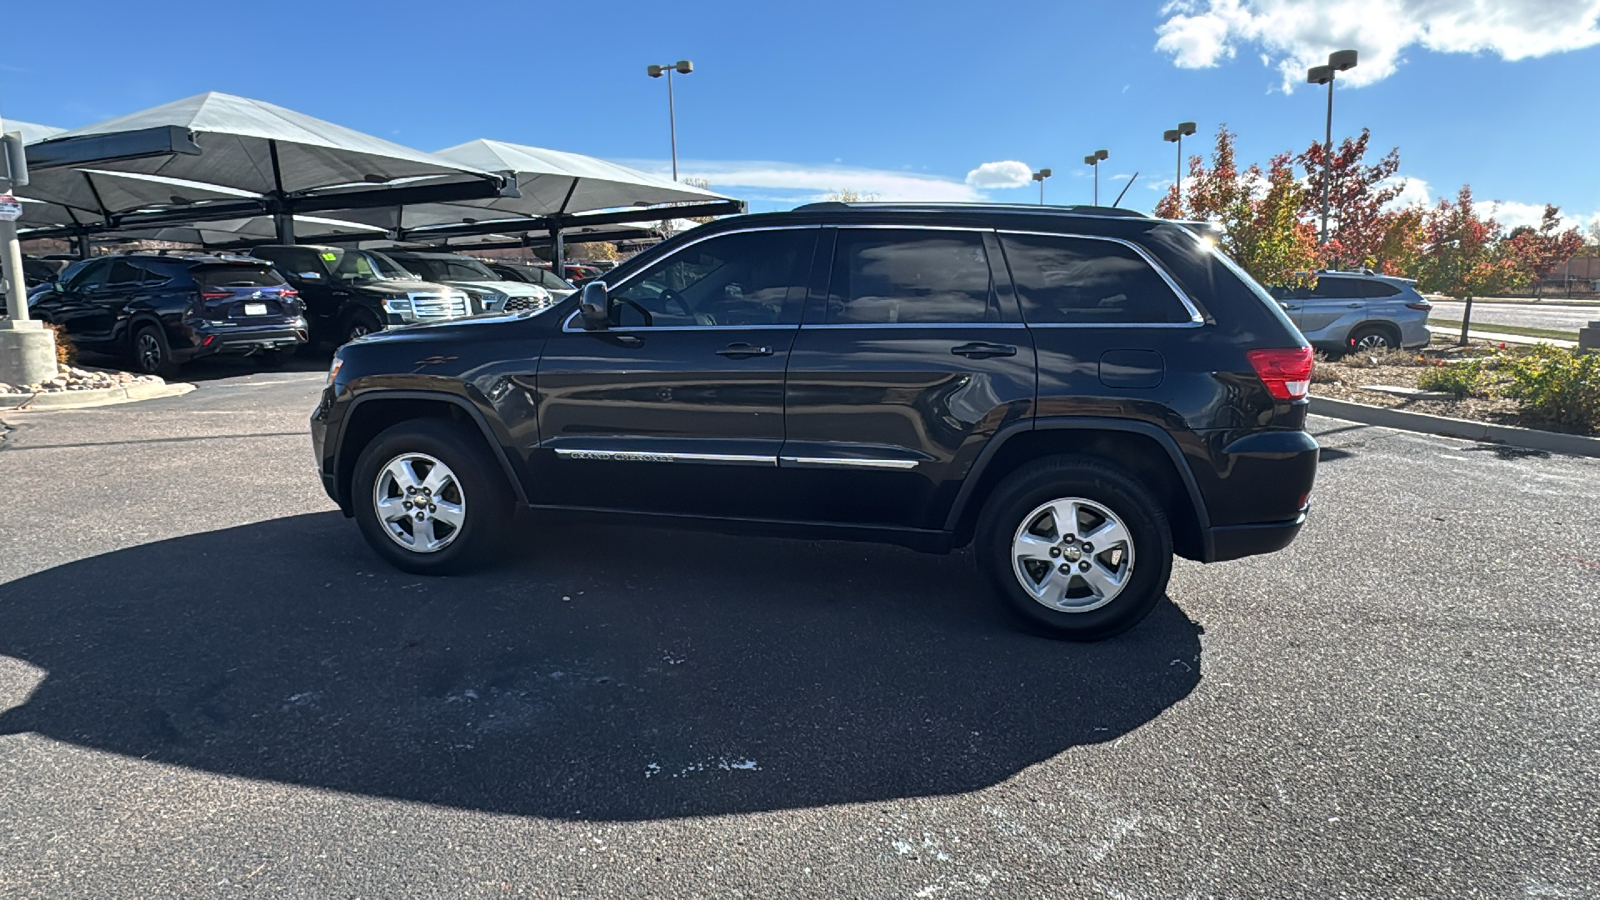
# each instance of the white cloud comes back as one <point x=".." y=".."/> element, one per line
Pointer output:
<point x="1003" y="174"/>
<point x="1413" y="192"/>
<point x="1298" y="34"/>
<point x="1512" y="213"/>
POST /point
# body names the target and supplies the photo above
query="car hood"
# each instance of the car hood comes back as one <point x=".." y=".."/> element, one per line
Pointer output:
<point x="509" y="288"/>
<point x="400" y="288"/>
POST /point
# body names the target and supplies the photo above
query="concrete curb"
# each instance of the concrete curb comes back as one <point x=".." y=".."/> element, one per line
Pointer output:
<point x="1444" y="426"/>
<point x="98" y="397"/>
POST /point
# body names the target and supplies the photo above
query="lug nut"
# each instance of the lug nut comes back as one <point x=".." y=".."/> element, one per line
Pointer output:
<point x="1066" y="568"/>
<point x="432" y="508"/>
<point x="406" y="504"/>
<point x="1083" y="566"/>
<point x="421" y="515"/>
<point x="1088" y="547"/>
<point x="411" y="490"/>
<point x="1055" y="551"/>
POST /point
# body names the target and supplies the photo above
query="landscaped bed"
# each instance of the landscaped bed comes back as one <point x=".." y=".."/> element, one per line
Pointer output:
<point x="1531" y="387"/>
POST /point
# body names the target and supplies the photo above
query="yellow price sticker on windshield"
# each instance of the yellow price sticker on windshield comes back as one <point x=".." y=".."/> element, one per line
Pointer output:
<point x="330" y="257"/>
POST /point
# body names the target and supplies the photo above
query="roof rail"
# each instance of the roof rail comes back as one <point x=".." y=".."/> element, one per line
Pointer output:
<point x="1079" y="210"/>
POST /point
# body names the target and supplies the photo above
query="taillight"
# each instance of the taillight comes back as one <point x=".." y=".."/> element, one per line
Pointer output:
<point x="1421" y="304"/>
<point x="215" y="295"/>
<point x="288" y="292"/>
<point x="1286" y="373"/>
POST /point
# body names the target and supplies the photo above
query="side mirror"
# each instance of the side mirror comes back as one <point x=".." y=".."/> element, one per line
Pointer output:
<point x="595" y="307"/>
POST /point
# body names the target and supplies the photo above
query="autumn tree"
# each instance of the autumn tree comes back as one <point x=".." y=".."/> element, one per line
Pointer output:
<point x="1461" y="257"/>
<point x="851" y="195"/>
<point x="1259" y="213"/>
<point x="1404" y="238"/>
<point x="1357" y="196"/>
<point x="1540" y="251"/>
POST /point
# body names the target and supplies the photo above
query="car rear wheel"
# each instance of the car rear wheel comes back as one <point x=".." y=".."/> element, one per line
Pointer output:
<point x="150" y="352"/>
<point x="1371" y="339"/>
<point x="430" y="499"/>
<point x="1076" y="547"/>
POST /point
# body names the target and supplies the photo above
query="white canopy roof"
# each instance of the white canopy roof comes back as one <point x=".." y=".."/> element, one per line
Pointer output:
<point x="30" y="131"/>
<point x="550" y="182"/>
<point x="261" y="229"/>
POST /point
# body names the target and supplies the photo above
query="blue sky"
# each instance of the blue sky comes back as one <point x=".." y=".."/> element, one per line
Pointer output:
<point x="789" y="100"/>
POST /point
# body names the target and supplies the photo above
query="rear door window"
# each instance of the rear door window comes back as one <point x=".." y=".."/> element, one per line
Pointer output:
<point x="910" y="277"/>
<point x="1081" y="281"/>
<point x="1337" y="289"/>
<point x="229" y="276"/>
<point x="125" y="274"/>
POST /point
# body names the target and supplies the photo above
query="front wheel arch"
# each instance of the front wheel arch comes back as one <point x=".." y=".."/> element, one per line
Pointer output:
<point x="369" y="415"/>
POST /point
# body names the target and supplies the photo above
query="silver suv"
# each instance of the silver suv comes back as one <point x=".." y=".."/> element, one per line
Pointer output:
<point x="1348" y="311"/>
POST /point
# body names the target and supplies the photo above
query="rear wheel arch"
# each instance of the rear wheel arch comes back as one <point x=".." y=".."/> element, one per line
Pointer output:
<point x="1143" y="451"/>
<point x="369" y="416"/>
<point x="1390" y="330"/>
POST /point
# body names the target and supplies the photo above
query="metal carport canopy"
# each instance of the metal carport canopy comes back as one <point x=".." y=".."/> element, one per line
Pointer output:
<point x="555" y="191"/>
<point x="295" y="163"/>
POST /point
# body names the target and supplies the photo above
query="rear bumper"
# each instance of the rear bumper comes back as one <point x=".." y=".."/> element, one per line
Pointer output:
<point x="206" y="341"/>
<point x="1238" y="541"/>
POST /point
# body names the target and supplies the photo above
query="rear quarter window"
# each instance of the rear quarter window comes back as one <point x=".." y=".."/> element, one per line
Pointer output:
<point x="236" y="276"/>
<point x="1082" y="281"/>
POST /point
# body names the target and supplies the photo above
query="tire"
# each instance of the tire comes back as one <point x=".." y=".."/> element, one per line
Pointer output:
<point x="475" y="485"/>
<point x="358" y="324"/>
<point x="1018" y="519"/>
<point x="1372" y="339"/>
<point x="149" y="351"/>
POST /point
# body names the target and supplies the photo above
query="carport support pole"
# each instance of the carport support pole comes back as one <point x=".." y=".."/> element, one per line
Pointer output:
<point x="284" y="222"/>
<point x="84" y="251"/>
<point x="558" y="252"/>
<point x="27" y="348"/>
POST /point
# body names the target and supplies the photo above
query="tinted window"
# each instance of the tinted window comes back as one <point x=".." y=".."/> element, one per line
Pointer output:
<point x="124" y="272"/>
<point x="1336" y="289"/>
<point x="1377" y="290"/>
<point x="1064" y="280"/>
<point x="241" y="275"/>
<point x="161" y="271"/>
<point x="752" y="278"/>
<point x="299" y="263"/>
<point x="909" y="277"/>
<point x="89" y="275"/>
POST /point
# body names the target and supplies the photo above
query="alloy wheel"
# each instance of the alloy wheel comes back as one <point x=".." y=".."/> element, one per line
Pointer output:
<point x="1072" y="555"/>
<point x="419" y="502"/>
<point x="147" y="349"/>
<point x="1372" y="343"/>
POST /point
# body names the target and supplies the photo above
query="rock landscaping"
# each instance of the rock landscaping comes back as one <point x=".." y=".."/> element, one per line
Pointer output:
<point x="71" y="378"/>
<point x="1530" y="387"/>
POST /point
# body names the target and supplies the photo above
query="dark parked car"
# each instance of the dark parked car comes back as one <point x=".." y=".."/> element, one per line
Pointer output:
<point x="162" y="310"/>
<point x="558" y="288"/>
<point x="579" y="274"/>
<point x="1077" y="395"/>
<point x="349" y="292"/>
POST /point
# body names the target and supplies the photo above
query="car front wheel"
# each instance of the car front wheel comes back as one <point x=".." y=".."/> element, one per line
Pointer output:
<point x="430" y="499"/>
<point x="1075" y="546"/>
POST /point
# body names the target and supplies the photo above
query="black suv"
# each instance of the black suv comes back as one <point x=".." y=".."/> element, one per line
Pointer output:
<point x="161" y="310"/>
<point x="1076" y="393"/>
<point x="350" y="292"/>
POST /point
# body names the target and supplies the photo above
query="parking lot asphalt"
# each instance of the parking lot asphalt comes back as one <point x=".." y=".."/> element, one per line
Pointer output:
<point x="209" y="687"/>
<point x="1551" y="314"/>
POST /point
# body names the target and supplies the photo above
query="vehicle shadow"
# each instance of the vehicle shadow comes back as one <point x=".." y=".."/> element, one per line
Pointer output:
<point x="607" y="673"/>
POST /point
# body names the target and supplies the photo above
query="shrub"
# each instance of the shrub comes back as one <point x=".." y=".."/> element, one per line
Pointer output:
<point x="1559" y="386"/>
<point x="66" y="351"/>
<point x="1463" y="379"/>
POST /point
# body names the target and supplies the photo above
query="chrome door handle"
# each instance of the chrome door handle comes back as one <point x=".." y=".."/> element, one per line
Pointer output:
<point x="983" y="351"/>
<point x="742" y="350"/>
<point x="1353" y="305"/>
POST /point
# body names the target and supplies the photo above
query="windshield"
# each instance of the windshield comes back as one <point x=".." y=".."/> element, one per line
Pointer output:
<point x="367" y="265"/>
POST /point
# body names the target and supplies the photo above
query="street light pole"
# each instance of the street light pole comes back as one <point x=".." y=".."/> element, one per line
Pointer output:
<point x="1338" y="61"/>
<point x="682" y="67"/>
<point x="1040" y="176"/>
<point x="27" y="349"/>
<point x="1175" y="135"/>
<point x="1093" y="161"/>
